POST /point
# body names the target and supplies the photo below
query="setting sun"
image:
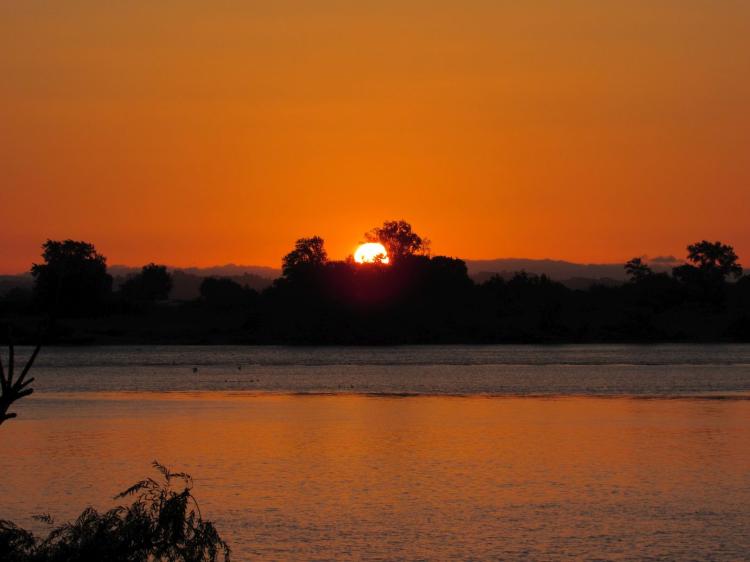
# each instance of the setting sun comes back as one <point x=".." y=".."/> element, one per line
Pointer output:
<point x="447" y="264"/>
<point x="371" y="252"/>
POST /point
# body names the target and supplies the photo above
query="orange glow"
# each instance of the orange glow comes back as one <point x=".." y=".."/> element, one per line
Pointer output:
<point x="371" y="252"/>
<point x="410" y="457"/>
<point x="192" y="134"/>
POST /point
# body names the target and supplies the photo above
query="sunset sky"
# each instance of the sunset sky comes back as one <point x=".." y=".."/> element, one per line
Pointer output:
<point x="201" y="133"/>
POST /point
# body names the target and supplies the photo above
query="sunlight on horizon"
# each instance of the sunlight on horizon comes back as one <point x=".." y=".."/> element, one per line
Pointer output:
<point x="193" y="134"/>
<point x="371" y="252"/>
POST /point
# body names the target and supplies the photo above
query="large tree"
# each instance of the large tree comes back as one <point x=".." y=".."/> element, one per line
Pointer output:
<point x="73" y="278"/>
<point x="399" y="239"/>
<point x="715" y="257"/>
<point x="705" y="276"/>
<point x="308" y="252"/>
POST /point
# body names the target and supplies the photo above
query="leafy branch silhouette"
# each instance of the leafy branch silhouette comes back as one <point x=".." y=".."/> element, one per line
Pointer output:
<point x="163" y="523"/>
<point x="13" y="390"/>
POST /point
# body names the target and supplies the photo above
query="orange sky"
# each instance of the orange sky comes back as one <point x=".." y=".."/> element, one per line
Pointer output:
<point x="196" y="133"/>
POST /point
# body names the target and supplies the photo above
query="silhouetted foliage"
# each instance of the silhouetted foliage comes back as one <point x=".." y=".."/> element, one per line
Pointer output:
<point x="704" y="280"/>
<point x="163" y="523"/>
<point x="637" y="270"/>
<point x="308" y="253"/>
<point x="153" y="283"/>
<point x="73" y="278"/>
<point x="422" y="299"/>
<point x="715" y="257"/>
<point x="223" y="292"/>
<point x="13" y="390"/>
<point x="399" y="239"/>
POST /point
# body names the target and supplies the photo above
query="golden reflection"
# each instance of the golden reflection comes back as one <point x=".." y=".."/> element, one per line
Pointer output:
<point x="318" y="476"/>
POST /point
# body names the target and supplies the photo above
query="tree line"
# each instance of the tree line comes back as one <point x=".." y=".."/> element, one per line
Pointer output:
<point x="415" y="298"/>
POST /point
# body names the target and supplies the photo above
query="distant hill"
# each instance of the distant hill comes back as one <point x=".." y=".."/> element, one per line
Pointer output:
<point x="573" y="275"/>
<point x="187" y="280"/>
<point x="10" y="282"/>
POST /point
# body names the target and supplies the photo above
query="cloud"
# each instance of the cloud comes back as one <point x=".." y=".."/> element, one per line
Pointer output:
<point x="666" y="260"/>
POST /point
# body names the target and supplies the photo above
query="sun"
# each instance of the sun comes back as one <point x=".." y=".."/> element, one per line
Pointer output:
<point x="371" y="252"/>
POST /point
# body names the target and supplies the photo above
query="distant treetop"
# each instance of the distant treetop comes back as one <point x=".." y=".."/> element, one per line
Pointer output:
<point x="399" y="239"/>
<point x="715" y="257"/>
<point x="307" y="252"/>
<point x="73" y="277"/>
<point x="637" y="269"/>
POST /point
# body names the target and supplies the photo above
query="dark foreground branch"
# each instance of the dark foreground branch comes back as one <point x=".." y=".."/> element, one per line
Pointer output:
<point x="13" y="390"/>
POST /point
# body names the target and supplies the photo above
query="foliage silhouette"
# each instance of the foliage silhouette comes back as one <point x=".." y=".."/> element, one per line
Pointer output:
<point x="637" y="270"/>
<point x="308" y="253"/>
<point x="704" y="280"/>
<point x="73" y="279"/>
<point x="422" y="299"/>
<point x="13" y="390"/>
<point x="399" y="239"/>
<point x="153" y="283"/>
<point x="715" y="257"/>
<point x="225" y="293"/>
<point x="163" y="523"/>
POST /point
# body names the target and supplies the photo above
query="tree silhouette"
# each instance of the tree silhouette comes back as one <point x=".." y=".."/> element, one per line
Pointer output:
<point x="715" y="257"/>
<point x="399" y="239"/>
<point x="415" y="299"/>
<point x="153" y="283"/>
<point x="705" y="280"/>
<point x="637" y="270"/>
<point x="72" y="279"/>
<point x="308" y="252"/>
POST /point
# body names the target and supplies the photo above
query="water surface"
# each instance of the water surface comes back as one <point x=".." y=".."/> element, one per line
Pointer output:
<point x="543" y="453"/>
<point x="469" y="370"/>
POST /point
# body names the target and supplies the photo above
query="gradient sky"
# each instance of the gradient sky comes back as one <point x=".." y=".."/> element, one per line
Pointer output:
<point x="200" y="133"/>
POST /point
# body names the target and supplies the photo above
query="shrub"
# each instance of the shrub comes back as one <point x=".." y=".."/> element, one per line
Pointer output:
<point x="162" y="524"/>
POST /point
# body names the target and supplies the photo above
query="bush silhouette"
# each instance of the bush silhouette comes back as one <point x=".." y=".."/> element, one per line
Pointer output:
<point x="162" y="524"/>
<point x="153" y="283"/>
<point x="225" y="293"/>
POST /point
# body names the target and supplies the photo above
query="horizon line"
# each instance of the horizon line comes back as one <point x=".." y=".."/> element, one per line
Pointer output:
<point x="657" y="260"/>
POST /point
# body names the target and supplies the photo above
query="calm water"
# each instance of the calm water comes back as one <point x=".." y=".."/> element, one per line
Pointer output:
<point x="470" y="370"/>
<point x="540" y="453"/>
